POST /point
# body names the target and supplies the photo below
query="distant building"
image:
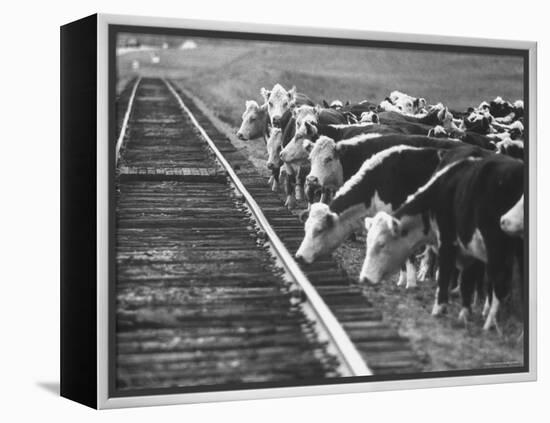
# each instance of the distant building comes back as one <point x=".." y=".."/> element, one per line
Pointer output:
<point x="188" y="45"/>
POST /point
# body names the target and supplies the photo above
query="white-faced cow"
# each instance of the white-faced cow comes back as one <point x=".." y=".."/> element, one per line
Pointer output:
<point x="280" y="101"/>
<point x="459" y="210"/>
<point x="255" y="122"/>
<point x="403" y="103"/>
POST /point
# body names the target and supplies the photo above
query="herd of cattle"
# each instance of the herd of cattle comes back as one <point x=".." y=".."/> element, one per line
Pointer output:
<point x="415" y="176"/>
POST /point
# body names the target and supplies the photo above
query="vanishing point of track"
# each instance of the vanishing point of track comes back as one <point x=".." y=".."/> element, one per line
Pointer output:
<point x="207" y="290"/>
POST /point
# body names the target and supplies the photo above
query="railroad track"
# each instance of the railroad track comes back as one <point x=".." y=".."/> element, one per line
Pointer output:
<point x="207" y="291"/>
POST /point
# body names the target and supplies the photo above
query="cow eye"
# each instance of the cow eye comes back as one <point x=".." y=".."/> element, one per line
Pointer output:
<point x="285" y="104"/>
<point x="328" y="159"/>
<point x="252" y="118"/>
<point x="270" y="104"/>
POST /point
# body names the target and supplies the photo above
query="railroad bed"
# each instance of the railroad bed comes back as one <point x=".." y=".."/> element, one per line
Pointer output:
<point x="201" y="298"/>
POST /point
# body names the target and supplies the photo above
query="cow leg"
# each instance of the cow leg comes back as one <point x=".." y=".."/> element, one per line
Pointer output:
<point x="299" y="192"/>
<point x="469" y="280"/>
<point x="275" y="179"/>
<point x="427" y="264"/>
<point x="300" y="181"/>
<point x="455" y="281"/>
<point x="499" y="271"/>
<point x="447" y="257"/>
<point x="402" y="276"/>
<point x="411" y="273"/>
<point x="289" y="191"/>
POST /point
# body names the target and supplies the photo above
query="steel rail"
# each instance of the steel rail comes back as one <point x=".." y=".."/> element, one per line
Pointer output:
<point x="351" y="360"/>
<point x="126" y="120"/>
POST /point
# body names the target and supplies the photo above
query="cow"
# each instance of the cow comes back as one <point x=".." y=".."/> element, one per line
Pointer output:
<point x="279" y="101"/>
<point x="459" y="210"/>
<point x="274" y="163"/>
<point x="403" y="103"/>
<point x="308" y="115"/>
<point x="512" y="148"/>
<point x="255" y="122"/>
<point x="334" y="163"/>
<point x="479" y="122"/>
<point x="512" y="221"/>
<point x="382" y="183"/>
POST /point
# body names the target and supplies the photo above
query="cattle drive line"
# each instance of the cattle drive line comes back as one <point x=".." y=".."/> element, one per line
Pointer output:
<point x="207" y="291"/>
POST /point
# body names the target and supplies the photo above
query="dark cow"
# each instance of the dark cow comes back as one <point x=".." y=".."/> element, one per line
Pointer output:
<point x="459" y="210"/>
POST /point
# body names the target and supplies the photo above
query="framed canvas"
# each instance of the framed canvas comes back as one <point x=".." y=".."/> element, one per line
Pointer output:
<point x="253" y="211"/>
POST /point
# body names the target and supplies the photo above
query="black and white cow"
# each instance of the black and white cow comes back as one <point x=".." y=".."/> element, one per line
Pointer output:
<point x="459" y="210"/>
<point x="402" y="103"/>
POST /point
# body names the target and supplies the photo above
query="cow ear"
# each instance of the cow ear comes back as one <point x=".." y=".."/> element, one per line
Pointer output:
<point x="251" y="104"/>
<point x="308" y="145"/>
<point x="339" y="150"/>
<point x="292" y="93"/>
<point x="422" y="102"/>
<point x="325" y="104"/>
<point x="317" y="109"/>
<point x="304" y="216"/>
<point x="368" y="223"/>
<point x="311" y="129"/>
<point x="265" y="94"/>
<point x="375" y="118"/>
<point x="394" y="226"/>
<point x="347" y="103"/>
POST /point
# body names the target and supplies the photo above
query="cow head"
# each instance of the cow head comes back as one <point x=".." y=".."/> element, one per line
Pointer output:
<point x="500" y="108"/>
<point x="274" y="145"/>
<point x="303" y="115"/>
<point x="297" y="149"/>
<point x="279" y="101"/>
<point x="370" y="117"/>
<point x="406" y="103"/>
<point x="389" y="242"/>
<point x="326" y="168"/>
<point x="254" y="121"/>
<point x="323" y="233"/>
<point x="479" y="122"/>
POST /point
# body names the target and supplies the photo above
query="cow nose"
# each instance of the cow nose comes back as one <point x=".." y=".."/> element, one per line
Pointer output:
<point x="282" y="156"/>
<point x="365" y="280"/>
<point x="276" y="121"/>
<point x="312" y="180"/>
<point x="270" y="166"/>
<point x="300" y="259"/>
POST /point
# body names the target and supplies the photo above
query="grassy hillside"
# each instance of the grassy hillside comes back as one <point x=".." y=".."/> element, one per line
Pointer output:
<point x="226" y="74"/>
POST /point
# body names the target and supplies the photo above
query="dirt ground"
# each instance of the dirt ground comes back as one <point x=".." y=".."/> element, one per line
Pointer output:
<point x="443" y="343"/>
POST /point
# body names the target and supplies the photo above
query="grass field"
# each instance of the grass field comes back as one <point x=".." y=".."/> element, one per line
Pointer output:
<point x="225" y="74"/>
